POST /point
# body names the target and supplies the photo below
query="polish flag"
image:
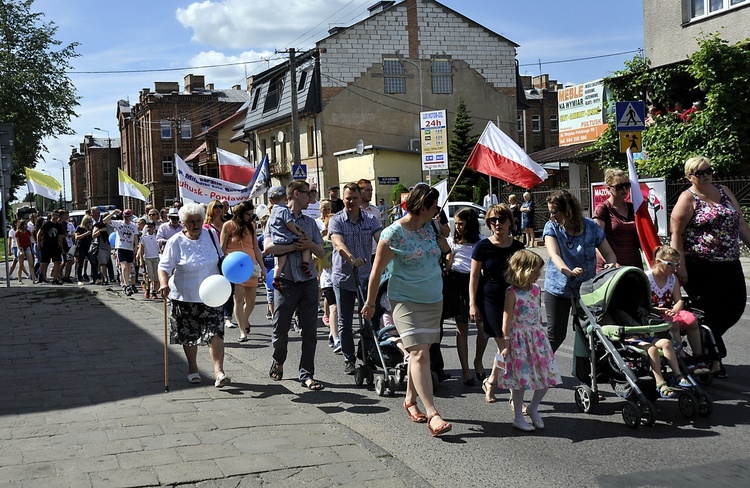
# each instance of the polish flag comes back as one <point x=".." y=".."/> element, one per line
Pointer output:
<point x="498" y="155"/>
<point x="647" y="234"/>
<point x="234" y="168"/>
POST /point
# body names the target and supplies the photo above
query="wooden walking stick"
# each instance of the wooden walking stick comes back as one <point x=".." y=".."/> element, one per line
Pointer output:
<point x="166" y="350"/>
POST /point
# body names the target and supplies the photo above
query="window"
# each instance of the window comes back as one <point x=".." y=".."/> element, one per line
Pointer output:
<point x="166" y="129"/>
<point x="205" y="124"/>
<point x="442" y="77"/>
<point x="302" y="80"/>
<point x="553" y="123"/>
<point x="393" y="76"/>
<point x="167" y="167"/>
<point x="168" y="202"/>
<point x="275" y="90"/>
<point x="520" y="124"/>
<point x="536" y="123"/>
<point x="700" y="8"/>
<point x="255" y="98"/>
<point x="186" y="129"/>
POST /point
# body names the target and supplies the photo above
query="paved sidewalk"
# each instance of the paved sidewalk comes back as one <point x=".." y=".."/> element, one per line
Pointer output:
<point x="83" y="404"/>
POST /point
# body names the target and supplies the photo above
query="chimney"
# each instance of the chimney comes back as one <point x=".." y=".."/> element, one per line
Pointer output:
<point x="237" y="87"/>
<point x="379" y="7"/>
<point x="249" y="83"/>
<point x="209" y="86"/>
<point x="166" y="87"/>
<point x="194" y="83"/>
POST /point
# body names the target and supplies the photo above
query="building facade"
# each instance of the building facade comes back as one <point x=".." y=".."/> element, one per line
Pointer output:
<point x="670" y="28"/>
<point x="164" y="122"/>
<point x="538" y="122"/>
<point x="369" y="82"/>
<point x="93" y="173"/>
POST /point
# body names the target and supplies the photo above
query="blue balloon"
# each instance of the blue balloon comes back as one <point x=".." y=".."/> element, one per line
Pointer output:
<point x="237" y="267"/>
<point x="269" y="280"/>
<point x="112" y="238"/>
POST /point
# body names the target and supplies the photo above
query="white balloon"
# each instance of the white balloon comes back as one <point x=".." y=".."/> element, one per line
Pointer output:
<point x="261" y="210"/>
<point x="215" y="290"/>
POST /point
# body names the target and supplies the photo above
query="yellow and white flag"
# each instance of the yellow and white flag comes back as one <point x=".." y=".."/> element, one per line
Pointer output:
<point x="42" y="184"/>
<point x="131" y="188"/>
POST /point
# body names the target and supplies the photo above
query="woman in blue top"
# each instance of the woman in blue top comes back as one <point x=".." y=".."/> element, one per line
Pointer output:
<point x="411" y="247"/>
<point x="571" y="242"/>
<point x="527" y="219"/>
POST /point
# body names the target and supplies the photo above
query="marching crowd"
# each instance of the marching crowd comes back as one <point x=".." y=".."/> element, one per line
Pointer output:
<point x="344" y="250"/>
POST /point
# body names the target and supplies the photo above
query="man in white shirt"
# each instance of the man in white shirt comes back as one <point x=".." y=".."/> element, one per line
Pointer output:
<point x="489" y="199"/>
<point x="313" y="208"/>
<point x="365" y="188"/>
<point x="126" y="241"/>
<point x="168" y="229"/>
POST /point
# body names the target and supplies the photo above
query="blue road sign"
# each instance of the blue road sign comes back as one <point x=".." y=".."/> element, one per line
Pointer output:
<point x="299" y="171"/>
<point x="630" y="116"/>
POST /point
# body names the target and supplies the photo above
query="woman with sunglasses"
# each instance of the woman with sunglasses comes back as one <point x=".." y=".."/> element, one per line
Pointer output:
<point x="412" y="247"/>
<point x="487" y="283"/>
<point x="571" y="241"/>
<point x="616" y="217"/>
<point x="707" y="226"/>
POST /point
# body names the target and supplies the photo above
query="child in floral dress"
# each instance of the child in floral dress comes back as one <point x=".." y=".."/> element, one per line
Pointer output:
<point x="529" y="360"/>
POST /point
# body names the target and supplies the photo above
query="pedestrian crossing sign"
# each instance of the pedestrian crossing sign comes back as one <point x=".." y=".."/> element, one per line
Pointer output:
<point x="630" y="116"/>
<point x="299" y="171"/>
<point x="632" y="141"/>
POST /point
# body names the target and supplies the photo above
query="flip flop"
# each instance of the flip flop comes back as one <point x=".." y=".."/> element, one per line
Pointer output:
<point x="313" y="385"/>
<point x="276" y="372"/>
<point x="194" y="378"/>
<point x="243" y="339"/>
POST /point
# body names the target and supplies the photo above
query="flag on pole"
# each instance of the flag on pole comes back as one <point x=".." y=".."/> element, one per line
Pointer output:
<point x="234" y="168"/>
<point x="261" y="181"/>
<point x="131" y="188"/>
<point x="41" y="184"/>
<point x="647" y="234"/>
<point x="442" y="188"/>
<point x="496" y="154"/>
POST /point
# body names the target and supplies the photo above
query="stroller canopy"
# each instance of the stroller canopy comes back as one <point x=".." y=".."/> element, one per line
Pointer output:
<point x="624" y="288"/>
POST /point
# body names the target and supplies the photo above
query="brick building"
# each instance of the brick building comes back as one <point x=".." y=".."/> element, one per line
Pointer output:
<point x="164" y="122"/>
<point x="370" y="80"/>
<point x="538" y="122"/>
<point x="93" y="173"/>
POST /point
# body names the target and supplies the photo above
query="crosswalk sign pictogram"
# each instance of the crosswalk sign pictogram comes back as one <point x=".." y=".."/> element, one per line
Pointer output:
<point x="299" y="171"/>
<point x="630" y="116"/>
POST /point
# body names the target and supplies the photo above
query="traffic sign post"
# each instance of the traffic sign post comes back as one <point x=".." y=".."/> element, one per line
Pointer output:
<point x="630" y="116"/>
<point x="632" y="141"/>
<point x="299" y="171"/>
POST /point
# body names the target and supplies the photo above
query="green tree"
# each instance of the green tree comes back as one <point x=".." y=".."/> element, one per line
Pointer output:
<point x="459" y="148"/>
<point x="720" y="75"/>
<point x="36" y="96"/>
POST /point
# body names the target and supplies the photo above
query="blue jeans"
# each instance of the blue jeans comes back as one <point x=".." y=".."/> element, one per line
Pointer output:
<point x="345" y="307"/>
<point x="293" y="295"/>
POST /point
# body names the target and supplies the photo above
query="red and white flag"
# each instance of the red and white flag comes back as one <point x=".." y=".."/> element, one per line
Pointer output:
<point x="498" y="155"/>
<point x="647" y="234"/>
<point x="234" y="168"/>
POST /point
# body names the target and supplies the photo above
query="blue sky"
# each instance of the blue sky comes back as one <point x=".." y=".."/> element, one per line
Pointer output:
<point x="169" y="34"/>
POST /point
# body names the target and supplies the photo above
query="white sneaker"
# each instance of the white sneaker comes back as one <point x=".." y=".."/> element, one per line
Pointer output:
<point x="229" y="325"/>
<point x="222" y="380"/>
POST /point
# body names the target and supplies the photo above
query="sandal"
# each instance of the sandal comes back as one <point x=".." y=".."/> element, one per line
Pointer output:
<point x="418" y="417"/>
<point x="665" y="391"/>
<point x="684" y="383"/>
<point x="489" y="394"/>
<point x="313" y="385"/>
<point x="441" y="429"/>
<point x="277" y="283"/>
<point x="194" y="378"/>
<point x="276" y="372"/>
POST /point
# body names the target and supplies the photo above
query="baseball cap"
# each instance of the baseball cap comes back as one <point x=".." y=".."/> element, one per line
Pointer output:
<point x="276" y="192"/>
<point x="174" y="212"/>
<point x="127" y="213"/>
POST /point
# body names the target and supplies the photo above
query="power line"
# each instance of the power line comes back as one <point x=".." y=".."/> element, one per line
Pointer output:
<point x="581" y="59"/>
<point x="184" y="68"/>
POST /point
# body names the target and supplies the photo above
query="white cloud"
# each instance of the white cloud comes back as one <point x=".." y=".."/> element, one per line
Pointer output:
<point x="239" y="24"/>
<point x="227" y="76"/>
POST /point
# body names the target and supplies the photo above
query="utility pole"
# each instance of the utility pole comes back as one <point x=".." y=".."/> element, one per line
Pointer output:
<point x="295" y="111"/>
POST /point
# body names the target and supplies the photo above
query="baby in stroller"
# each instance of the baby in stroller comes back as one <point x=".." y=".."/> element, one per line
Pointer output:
<point x="653" y="346"/>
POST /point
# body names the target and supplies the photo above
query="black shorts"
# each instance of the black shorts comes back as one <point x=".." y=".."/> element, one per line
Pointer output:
<point x="125" y="255"/>
<point x="51" y="254"/>
<point x="329" y="295"/>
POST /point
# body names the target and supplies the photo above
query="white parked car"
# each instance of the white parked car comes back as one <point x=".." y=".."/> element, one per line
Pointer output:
<point x="451" y="208"/>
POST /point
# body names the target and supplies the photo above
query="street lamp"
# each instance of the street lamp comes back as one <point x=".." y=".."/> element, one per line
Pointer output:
<point x="109" y="163"/>
<point x="62" y="167"/>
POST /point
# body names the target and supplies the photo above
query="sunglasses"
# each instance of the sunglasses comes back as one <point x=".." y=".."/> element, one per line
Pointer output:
<point x="621" y="186"/>
<point x="218" y="206"/>
<point x="497" y="220"/>
<point x="703" y="172"/>
<point x="153" y="215"/>
<point x="669" y="263"/>
<point x="174" y="217"/>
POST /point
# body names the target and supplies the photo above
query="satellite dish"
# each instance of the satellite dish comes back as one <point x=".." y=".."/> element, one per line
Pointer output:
<point x="246" y="152"/>
<point x="360" y="147"/>
<point x="280" y="136"/>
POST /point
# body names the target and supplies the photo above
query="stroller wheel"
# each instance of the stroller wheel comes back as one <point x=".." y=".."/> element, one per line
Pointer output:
<point x="586" y="400"/>
<point x="705" y="379"/>
<point x="705" y="405"/>
<point x="391" y="386"/>
<point x="648" y="412"/>
<point x="369" y="376"/>
<point x="688" y="405"/>
<point x="359" y="377"/>
<point x="631" y="415"/>
<point x="380" y="386"/>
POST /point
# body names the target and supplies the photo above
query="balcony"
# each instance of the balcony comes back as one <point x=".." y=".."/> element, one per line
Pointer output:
<point x="280" y="168"/>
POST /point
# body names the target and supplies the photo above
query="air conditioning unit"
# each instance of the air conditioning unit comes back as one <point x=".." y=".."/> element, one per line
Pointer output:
<point x="415" y="145"/>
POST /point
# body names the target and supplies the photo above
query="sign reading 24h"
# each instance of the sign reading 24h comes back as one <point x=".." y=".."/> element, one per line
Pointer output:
<point x="434" y="131"/>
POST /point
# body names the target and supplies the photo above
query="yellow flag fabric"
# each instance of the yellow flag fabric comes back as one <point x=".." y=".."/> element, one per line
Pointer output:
<point x="42" y="184"/>
<point x="131" y="188"/>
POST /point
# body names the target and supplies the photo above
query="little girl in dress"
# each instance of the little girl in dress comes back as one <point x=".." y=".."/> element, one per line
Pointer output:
<point x="529" y="360"/>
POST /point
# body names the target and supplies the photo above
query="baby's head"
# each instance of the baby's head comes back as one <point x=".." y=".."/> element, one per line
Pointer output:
<point x="666" y="259"/>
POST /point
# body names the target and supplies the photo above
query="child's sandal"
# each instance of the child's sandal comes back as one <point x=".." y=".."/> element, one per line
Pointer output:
<point x="665" y="391"/>
<point x="277" y="283"/>
<point x="306" y="269"/>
